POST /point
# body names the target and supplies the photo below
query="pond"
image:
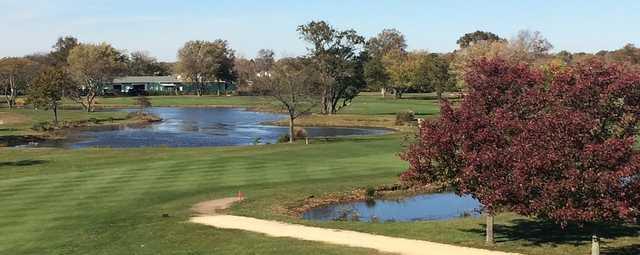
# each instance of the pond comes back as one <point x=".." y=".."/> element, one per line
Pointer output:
<point x="440" y="206"/>
<point x="199" y="127"/>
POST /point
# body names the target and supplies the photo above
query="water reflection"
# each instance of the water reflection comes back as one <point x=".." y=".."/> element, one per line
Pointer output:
<point x="440" y="206"/>
<point x="198" y="127"/>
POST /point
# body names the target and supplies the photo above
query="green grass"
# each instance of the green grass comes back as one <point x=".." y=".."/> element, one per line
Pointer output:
<point x="365" y="104"/>
<point x="208" y="100"/>
<point x="106" y="201"/>
<point x="373" y="104"/>
<point x="110" y="201"/>
<point x="101" y="201"/>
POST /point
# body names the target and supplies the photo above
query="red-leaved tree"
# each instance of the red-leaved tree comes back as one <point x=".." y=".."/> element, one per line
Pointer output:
<point x="558" y="147"/>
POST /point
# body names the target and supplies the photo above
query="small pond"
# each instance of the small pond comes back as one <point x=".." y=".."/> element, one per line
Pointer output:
<point x="199" y="127"/>
<point x="440" y="206"/>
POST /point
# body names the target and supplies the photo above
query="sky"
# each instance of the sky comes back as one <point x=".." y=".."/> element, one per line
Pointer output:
<point x="162" y="27"/>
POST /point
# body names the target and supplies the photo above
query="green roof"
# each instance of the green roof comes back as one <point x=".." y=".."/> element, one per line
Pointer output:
<point x="147" y="79"/>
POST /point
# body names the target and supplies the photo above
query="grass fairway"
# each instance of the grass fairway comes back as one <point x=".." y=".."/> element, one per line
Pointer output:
<point x="111" y="201"/>
<point x="102" y="201"/>
<point x="106" y="201"/>
<point x="365" y="104"/>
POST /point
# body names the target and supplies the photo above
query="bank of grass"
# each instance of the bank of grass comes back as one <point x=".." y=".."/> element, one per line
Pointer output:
<point x="19" y="121"/>
<point x="189" y="101"/>
<point x="107" y="201"/>
<point x="365" y="104"/>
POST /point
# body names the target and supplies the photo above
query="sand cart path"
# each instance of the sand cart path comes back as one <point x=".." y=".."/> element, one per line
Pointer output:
<point x="335" y="236"/>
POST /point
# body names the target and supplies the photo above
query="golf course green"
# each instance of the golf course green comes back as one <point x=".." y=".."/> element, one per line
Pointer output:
<point x="112" y="201"/>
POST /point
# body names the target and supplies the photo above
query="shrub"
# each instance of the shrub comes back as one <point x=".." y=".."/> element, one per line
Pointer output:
<point x="298" y="133"/>
<point x="148" y="117"/>
<point x="42" y="126"/>
<point x="370" y="192"/>
<point x="405" y="117"/>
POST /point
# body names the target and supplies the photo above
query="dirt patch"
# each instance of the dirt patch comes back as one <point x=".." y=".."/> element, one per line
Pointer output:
<point x="10" y="118"/>
<point x="212" y="207"/>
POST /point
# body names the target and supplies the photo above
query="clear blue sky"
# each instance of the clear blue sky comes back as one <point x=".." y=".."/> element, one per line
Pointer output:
<point x="161" y="27"/>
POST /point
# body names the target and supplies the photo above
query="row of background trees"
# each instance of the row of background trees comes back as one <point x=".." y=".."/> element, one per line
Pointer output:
<point x="346" y="63"/>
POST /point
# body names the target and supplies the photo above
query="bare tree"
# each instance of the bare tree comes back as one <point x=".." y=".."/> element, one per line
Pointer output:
<point x="15" y="74"/>
<point x="142" y="63"/>
<point x="246" y="71"/>
<point x="264" y="60"/>
<point x="532" y="42"/>
<point x="292" y="82"/>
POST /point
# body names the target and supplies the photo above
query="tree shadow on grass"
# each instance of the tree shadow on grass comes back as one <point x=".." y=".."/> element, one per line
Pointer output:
<point x="541" y="232"/>
<point x="14" y="140"/>
<point x="26" y="162"/>
<point x="633" y="249"/>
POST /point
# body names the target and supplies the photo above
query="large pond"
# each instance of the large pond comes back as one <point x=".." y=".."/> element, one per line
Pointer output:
<point x="199" y="127"/>
<point x="439" y="206"/>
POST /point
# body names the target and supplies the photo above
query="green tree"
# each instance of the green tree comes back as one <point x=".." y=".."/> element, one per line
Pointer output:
<point x="203" y="62"/>
<point x="376" y="76"/>
<point x="470" y="39"/>
<point x="406" y="71"/>
<point x="47" y="90"/>
<point x="436" y="69"/>
<point x="92" y="66"/>
<point x="385" y="42"/>
<point x="338" y="55"/>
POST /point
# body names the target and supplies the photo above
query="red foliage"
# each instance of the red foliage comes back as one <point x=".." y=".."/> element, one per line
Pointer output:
<point x="560" y="149"/>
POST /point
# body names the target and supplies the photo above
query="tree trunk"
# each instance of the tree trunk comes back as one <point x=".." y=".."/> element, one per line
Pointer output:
<point x="218" y="89"/>
<point x="397" y="94"/>
<point x="12" y="93"/>
<point x="595" y="245"/>
<point x="88" y="104"/>
<point x="489" y="230"/>
<point x="91" y="98"/>
<point x="323" y="103"/>
<point x="291" y="131"/>
<point x="55" y="114"/>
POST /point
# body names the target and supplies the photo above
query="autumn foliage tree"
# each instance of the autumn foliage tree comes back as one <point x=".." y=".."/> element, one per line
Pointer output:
<point x="92" y="66"/>
<point x="558" y="148"/>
